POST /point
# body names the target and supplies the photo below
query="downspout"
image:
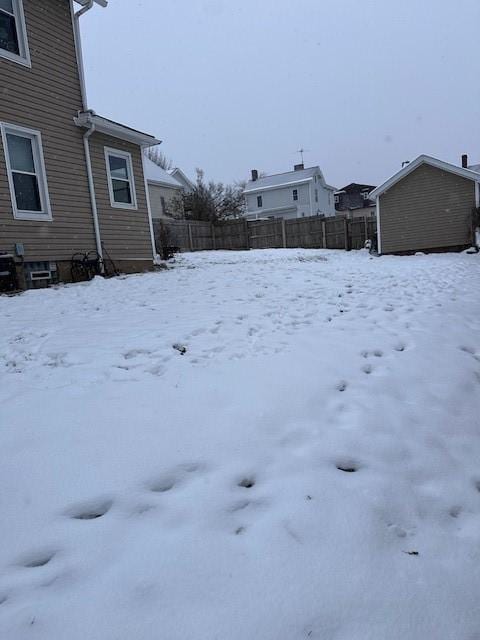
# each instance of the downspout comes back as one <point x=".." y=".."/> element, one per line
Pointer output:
<point x="156" y="257"/>
<point x="91" y="129"/>
<point x="78" y="47"/>
<point x="91" y="188"/>
<point x="379" y="229"/>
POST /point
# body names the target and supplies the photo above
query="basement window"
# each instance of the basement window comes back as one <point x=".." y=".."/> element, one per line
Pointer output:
<point x="13" y="32"/>
<point x="26" y="172"/>
<point x="121" y="183"/>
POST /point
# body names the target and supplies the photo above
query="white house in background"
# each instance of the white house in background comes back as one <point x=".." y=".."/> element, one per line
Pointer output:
<point x="180" y="177"/>
<point x="296" y="194"/>
<point x="164" y="187"/>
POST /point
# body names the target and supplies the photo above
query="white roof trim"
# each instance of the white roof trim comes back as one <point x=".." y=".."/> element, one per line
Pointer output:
<point x="102" y="3"/>
<point x="175" y="170"/>
<point x="423" y="159"/>
<point x="115" y="129"/>
<point x="279" y="186"/>
<point x="168" y="185"/>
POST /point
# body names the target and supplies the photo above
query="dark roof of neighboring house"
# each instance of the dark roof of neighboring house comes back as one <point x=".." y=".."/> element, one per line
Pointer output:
<point x="475" y="167"/>
<point x="355" y="186"/>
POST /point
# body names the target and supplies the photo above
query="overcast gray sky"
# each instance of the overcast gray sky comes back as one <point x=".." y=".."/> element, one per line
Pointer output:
<point x="230" y="86"/>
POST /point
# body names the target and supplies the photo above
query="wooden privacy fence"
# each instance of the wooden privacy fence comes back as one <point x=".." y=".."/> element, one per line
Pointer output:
<point x="307" y="233"/>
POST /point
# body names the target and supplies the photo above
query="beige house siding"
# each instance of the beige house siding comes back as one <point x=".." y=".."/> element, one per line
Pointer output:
<point x="125" y="232"/>
<point x="46" y="97"/>
<point x="428" y="209"/>
<point x="157" y="192"/>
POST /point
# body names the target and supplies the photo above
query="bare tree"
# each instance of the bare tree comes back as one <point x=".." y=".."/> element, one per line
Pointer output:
<point x="159" y="158"/>
<point x="214" y="201"/>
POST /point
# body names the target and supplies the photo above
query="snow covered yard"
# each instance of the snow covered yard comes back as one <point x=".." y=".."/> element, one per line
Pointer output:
<point x="309" y="468"/>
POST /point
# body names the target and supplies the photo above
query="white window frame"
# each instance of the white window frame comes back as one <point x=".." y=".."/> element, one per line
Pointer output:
<point x="109" y="151"/>
<point x="24" y="57"/>
<point x="40" y="172"/>
<point x="337" y="199"/>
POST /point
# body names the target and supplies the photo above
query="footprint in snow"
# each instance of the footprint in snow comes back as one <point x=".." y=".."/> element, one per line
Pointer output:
<point x="90" y="511"/>
<point x="177" y="477"/>
<point x="36" y="560"/>
<point x="347" y="466"/>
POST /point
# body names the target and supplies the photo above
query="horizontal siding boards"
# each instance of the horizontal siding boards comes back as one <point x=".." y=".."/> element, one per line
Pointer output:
<point x="125" y="232"/>
<point x="430" y="208"/>
<point x="46" y="98"/>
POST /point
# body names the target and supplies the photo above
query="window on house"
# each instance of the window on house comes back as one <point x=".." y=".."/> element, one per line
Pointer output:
<point x="162" y="203"/>
<point x="337" y="199"/>
<point x="26" y="172"/>
<point x="121" y="182"/>
<point x="316" y="195"/>
<point x="259" y="202"/>
<point x="365" y="195"/>
<point x="295" y="194"/>
<point x="13" y="34"/>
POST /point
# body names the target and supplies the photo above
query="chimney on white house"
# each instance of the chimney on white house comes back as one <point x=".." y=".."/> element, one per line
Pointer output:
<point x="465" y="161"/>
<point x="254" y="175"/>
<point x="299" y="167"/>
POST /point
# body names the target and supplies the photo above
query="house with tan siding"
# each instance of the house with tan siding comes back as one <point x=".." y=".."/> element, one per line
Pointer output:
<point x="428" y="205"/>
<point x="71" y="181"/>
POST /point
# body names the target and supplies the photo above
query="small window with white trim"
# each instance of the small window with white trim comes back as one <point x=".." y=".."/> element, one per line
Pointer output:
<point x="13" y="32"/>
<point x="26" y="172"/>
<point x="121" y="182"/>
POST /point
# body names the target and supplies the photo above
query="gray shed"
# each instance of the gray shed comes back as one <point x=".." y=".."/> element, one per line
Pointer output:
<point x="428" y="205"/>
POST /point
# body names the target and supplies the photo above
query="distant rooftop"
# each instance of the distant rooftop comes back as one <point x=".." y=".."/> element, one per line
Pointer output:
<point x="475" y="167"/>
<point x="154" y="173"/>
<point x="280" y="179"/>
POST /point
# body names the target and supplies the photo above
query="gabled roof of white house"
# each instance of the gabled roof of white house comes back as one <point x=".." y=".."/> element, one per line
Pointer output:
<point x="285" y="179"/>
<point x="423" y="159"/>
<point x="157" y="175"/>
<point x="182" y="178"/>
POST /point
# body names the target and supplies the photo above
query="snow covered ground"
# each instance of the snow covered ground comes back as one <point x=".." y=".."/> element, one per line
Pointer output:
<point x="309" y="468"/>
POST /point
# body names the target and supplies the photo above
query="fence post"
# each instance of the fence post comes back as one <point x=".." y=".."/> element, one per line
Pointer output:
<point x="345" y="229"/>
<point x="247" y="234"/>
<point x="365" y="221"/>
<point x="214" y="241"/>
<point x="324" y="234"/>
<point x="190" y="237"/>
<point x="284" y="234"/>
